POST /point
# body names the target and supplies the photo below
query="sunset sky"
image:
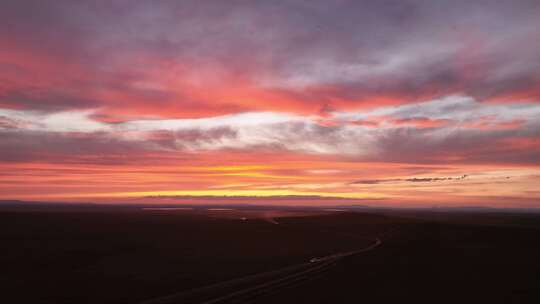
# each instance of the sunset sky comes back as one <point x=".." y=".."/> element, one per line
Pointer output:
<point x="380" y="103"/>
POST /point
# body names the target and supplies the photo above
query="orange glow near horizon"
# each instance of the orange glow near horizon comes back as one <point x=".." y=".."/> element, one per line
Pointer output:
<point x="196" y="105"/>
<point x="371" y="183"/>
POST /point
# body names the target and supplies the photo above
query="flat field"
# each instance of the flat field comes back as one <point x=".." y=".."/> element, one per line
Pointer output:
<point x="133" y="255"/>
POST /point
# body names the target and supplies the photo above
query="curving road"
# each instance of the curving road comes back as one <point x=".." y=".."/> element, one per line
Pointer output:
<point x="248" y="287"/>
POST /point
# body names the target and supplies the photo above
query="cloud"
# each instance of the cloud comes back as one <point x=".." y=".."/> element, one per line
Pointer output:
<point x="447" y="110"/>
<point x="376" y="85"/>
<point x="9" y="123"/>
<point x="375" y="181"/>
<point x="413" y="180"/>
<point x="97" y="148"/>
<point x="65" y="121"/>
<point x="421" y="122"/>
<point x="48" y="99"/>
<point x="459" y="130"/>
<point x="159" y="60"/>
<point x="264" y="198"/>
<point x="433" y="179"/>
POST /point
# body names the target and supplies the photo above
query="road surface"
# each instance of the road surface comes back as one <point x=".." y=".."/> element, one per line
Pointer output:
<point x="252" y="286"/>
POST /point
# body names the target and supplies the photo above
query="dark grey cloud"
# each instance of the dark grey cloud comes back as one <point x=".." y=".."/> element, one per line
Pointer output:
<point x="97" y="148"/>
<point x="375" y="181"/>
<point x="413" y="180"/>
<point x="434" y="179"/>
<point x="190" y="138"/>
<point x="458" y="146"/>
<point x="44" y="99"/>
<point x="409" y="49"/>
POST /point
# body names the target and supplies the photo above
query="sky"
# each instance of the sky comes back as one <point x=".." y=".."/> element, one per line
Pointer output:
<point x="381" y="103"/>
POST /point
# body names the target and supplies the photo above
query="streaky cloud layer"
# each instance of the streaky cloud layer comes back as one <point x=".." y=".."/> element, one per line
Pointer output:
<point x="385" y="102"/>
